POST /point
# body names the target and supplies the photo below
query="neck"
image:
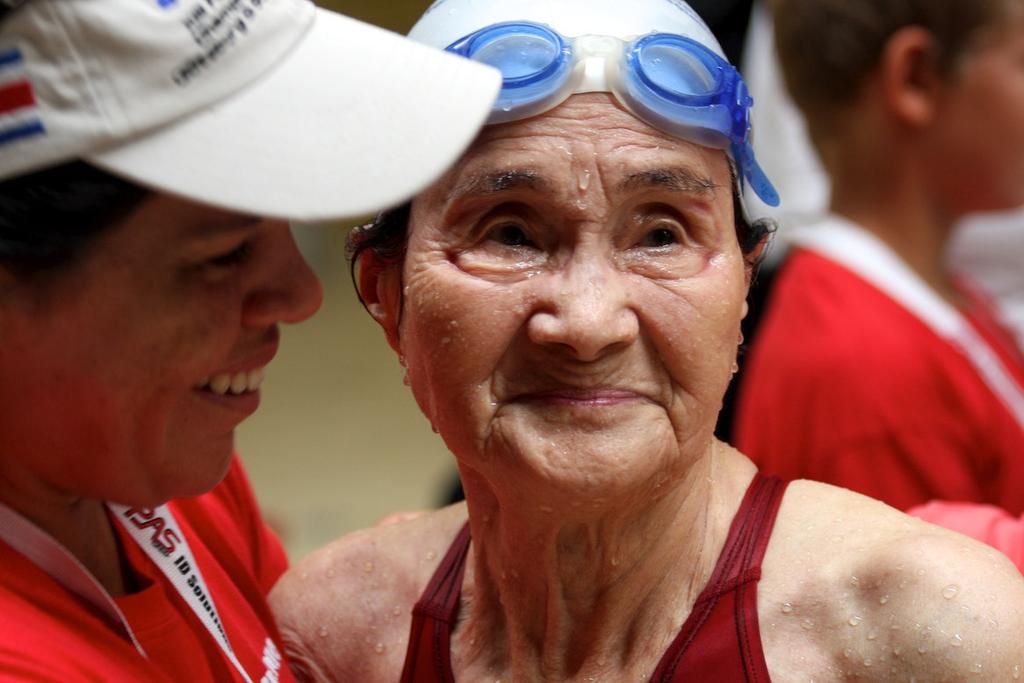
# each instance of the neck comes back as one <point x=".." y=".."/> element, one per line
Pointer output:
<point x="80" y="525"/>
<point x="568" y="591"/>
<point x="890" y="200"/>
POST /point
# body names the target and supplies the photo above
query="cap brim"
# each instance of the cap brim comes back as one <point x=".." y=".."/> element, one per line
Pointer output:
<point x="354" y="120"/>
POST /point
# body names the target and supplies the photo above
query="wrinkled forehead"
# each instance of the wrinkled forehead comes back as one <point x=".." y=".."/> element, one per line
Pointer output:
<point x="589" y="137"/>
<point x="449" y="20"/>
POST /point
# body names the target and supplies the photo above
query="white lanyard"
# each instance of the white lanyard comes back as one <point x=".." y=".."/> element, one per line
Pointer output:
<point x="861" y="252"/>
<point x="157" y="532"/>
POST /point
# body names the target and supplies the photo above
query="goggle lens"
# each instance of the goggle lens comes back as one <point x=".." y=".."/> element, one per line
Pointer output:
<point x="523" y="53"/>
<point x="676" y="71"/>
<point x="519" y="56"/>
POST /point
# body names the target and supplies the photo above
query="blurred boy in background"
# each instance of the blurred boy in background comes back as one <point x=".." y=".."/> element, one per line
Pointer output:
<point x="887" y="375"/>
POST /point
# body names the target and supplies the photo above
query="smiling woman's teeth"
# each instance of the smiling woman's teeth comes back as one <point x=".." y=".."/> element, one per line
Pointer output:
<point x="239" y="383"/>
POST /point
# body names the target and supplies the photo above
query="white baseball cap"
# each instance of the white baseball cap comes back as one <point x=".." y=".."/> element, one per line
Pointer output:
<point x="271" y="107"/>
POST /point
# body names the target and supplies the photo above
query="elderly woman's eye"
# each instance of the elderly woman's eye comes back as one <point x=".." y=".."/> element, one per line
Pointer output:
<point x="659" y="237"/>
<point x="509" y="235"/>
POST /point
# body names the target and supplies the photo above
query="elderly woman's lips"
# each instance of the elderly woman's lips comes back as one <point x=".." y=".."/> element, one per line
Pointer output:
<point x="577" y="397"/>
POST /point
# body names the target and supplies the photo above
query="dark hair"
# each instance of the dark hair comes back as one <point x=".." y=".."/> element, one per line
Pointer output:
<point x="388" y="235"/>
<point x="827" y="48"/>
<point x="48" y="217"/>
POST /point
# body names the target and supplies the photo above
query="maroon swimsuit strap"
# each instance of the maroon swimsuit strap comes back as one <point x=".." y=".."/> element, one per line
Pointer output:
<point x="428" y="659"/>
<point x="720" y="640"/>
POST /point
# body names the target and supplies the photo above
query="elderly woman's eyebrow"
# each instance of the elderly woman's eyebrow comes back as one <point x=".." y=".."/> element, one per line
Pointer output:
<point x="500" y="181"/>
<point x="677" y="179"/>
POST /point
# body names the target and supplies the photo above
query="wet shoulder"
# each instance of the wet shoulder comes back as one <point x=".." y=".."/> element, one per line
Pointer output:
<point x="345" y="610"/>
<point x="854" y="588"/>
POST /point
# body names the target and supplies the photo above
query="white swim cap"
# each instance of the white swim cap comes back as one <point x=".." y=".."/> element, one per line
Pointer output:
<point x="449" y="20"/>
<point x="657" y="57"/>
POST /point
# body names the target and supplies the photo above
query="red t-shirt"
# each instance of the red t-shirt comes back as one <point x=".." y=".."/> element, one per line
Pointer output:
<point x="845" y="385"/>
<point x="47" y="634"/>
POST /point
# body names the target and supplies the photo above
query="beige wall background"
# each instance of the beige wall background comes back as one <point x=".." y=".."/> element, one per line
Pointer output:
<point x="339" y="442"/>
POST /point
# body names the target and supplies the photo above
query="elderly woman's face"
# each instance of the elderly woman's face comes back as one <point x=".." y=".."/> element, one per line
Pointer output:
<point x="573" y="293"/>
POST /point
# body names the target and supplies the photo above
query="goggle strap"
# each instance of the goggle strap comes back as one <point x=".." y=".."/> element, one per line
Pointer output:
<point x="751" y="172"/>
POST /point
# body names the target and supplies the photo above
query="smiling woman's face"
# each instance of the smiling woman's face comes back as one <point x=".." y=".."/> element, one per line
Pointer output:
<point x="114" y="371"/>
<point x="572" y="298"/>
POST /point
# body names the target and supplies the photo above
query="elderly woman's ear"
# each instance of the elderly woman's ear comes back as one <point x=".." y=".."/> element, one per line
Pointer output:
<point x="756" y="256"/>
<point x="380" y="286"/>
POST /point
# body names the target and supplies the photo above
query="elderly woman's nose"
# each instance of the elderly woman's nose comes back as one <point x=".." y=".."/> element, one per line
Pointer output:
<point x="585" y="309"/>
<point x="283" y="287"/>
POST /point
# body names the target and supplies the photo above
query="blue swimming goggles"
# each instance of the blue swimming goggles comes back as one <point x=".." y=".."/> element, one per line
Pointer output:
<point x="672" y="82"/>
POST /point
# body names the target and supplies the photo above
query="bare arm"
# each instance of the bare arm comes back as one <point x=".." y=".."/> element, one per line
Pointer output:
<point x="853" y="588"/>
<point x="943" y="608"/>
<point x="986" y="523"/>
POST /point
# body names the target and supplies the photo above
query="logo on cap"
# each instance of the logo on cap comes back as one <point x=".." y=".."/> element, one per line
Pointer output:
<point x="19" y="114"/>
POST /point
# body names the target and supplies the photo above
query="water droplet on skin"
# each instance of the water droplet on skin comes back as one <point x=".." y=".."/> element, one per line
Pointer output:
<point x="977" y="668"/>
<point x="848" y="653"/>
<point x="1016" y="672"/>
<point x="920" y="572"/>
<point x="868" y="662"/>
<point x="807" y="624"/>
<point x="787" y="608"/>
<point x="431" y="555"/>
<point x="854" y="581"/>
<point x="855" y="620"/>
<point x="584" y="180"/>
<point x="956" y="640"/>
<point x="303" y="576"/>
<point x="897" y="651"/>
<point x="872" y="636"/>
<point x="949" y="592"/>
<point x="322" y="632"/>
<point x="368" y="567"/>
<point x="883" y="600"/>
<point x="379" y="648"/>
<point x="921" y="649"/>
<point x="397" y="611"/>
